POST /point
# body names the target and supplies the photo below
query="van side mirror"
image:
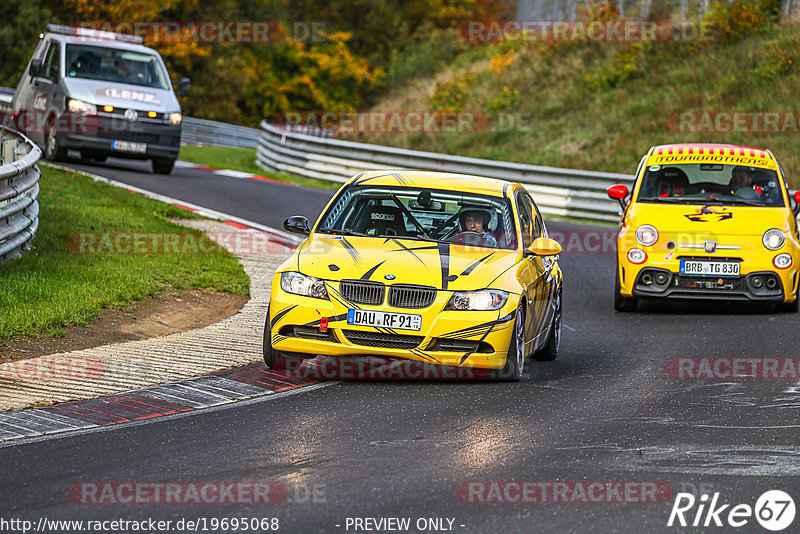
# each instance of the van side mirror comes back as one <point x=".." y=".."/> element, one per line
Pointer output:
<point x="183" y="86"/>
<point x="36" y="68"/>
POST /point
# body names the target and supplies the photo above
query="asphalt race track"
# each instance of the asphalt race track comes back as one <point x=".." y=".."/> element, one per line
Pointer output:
<point x="606" y="411"/>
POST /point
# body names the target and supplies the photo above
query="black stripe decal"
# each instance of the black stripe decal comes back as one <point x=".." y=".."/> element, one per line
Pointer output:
<point x="410" y="251"/>
<point x="280" y="314"/>
<point x="444" y="260"/>
<point x="369" y="273"/>
<point x="351" y="250"/>
<point x="471" y="266"/>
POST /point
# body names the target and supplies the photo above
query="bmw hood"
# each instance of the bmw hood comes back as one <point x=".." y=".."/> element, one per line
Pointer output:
<point x="402" y="261"/>
<point x="138" y="97"/>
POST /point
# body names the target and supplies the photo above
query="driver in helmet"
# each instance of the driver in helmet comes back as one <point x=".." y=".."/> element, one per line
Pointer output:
<point x="474" y="220"/>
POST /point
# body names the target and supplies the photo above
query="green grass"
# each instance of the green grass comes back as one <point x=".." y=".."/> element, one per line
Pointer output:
<point x="601" y="106"/>
<point x="51" y="287"/>
<point x="243" y="159"/>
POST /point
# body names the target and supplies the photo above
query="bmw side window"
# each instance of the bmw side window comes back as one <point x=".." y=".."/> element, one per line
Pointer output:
<point x="52" y="63"/>
<point x="525" y="221"/>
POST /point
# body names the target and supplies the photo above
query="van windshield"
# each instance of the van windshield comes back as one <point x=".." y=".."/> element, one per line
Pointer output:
<point x="115" y="65"/>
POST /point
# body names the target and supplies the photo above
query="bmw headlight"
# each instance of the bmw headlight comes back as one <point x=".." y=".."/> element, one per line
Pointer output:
<point x="300" y="284"/>
<point x="79" y="106"/>
<point x="647" y="235"/>
<point x="484" y="299"/>
<point x="773" y="239"/>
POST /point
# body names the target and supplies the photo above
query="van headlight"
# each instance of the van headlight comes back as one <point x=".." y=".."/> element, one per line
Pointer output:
<point x="483" y="300"/>
<point x="300" y="284"/>
<point x="647" y="235"/>
<point x="79" y="106"/>
<point x="175" y="118"/>
<point x="773" y="239"/>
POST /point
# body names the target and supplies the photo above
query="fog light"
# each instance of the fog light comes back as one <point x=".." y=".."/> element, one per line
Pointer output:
<point x="661" y="279"/>
<point x="757" y="282"/>
<point x="637" y="256"/>
<point x="772" y="283"/>
<point x="782" y="261"/>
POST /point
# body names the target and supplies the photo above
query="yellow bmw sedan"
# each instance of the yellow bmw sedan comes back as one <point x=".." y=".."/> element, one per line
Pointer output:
<point x="444" y="269"/>
<point x="707" y="221"/>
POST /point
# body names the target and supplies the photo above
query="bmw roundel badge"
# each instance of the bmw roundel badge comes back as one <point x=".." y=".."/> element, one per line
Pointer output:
<point x="390" y="277"/>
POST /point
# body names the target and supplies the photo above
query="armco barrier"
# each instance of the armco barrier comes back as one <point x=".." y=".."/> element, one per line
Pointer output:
<point x="560" y="192"/>
<point x="19" y="189"/>
<point x="205" y="132"/>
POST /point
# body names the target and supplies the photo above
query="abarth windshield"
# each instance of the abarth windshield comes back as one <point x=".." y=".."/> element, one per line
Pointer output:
<point x="707" y="183"/>
<point x="424" y="214"/>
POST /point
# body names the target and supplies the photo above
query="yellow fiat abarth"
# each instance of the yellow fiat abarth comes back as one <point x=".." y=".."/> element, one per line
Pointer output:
<point x="446" y="269"/>
<point x="707" y="221"/>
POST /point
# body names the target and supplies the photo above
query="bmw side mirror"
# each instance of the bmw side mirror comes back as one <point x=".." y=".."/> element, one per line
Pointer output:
<point x="36" y="68"/>
<point x="543" y="246"/>
<point x="297" y="224"/>
<point x="183" y="86"/>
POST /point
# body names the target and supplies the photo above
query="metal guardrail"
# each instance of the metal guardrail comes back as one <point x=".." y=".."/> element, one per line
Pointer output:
<point x="19" y="190"/>
<point x="206" y="132"/>
<point x="561" y="192"/>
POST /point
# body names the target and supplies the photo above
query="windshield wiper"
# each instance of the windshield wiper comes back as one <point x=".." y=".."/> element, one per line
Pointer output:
<point x="346" y="231"/>
<point x="678" y="200"/>
<point x="745" y="202"/>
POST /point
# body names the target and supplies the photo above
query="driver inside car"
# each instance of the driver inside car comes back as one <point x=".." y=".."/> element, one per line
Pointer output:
<point x="476" y="221"/>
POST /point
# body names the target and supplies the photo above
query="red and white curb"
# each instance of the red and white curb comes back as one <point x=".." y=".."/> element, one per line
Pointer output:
<point x="230" y="173"/>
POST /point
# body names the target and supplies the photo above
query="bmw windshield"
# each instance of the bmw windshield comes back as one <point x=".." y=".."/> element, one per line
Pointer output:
<point x="711" y="183"/>
<point x="426" y="214"/>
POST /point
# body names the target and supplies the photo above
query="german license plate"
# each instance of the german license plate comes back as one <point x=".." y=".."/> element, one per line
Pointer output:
<point x="127" y="146"/>
<point x="710" y="268"/>
<point x="399" y="321"/>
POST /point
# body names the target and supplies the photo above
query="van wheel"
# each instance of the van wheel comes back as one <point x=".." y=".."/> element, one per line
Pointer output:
<point x="53" y="149"/>
<point x="163" y="165"/>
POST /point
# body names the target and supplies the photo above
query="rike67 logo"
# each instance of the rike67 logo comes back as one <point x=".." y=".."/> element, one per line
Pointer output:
<point x="774" y="510"/>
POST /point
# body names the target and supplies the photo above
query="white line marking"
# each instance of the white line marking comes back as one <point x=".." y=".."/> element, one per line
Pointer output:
<point x="234" y="174"/>
<point x="568" y="327"/>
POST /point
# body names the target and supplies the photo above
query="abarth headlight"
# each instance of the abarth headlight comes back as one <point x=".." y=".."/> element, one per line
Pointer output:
<point x="300" y="284"/>
<point x="647" y="235"/>
<point x="782" y="261"/>
<point x="773" y="239"/>
<point x="637" y="256"/>
<point x="484" y="300"/>
<point x="79" y="106"/>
